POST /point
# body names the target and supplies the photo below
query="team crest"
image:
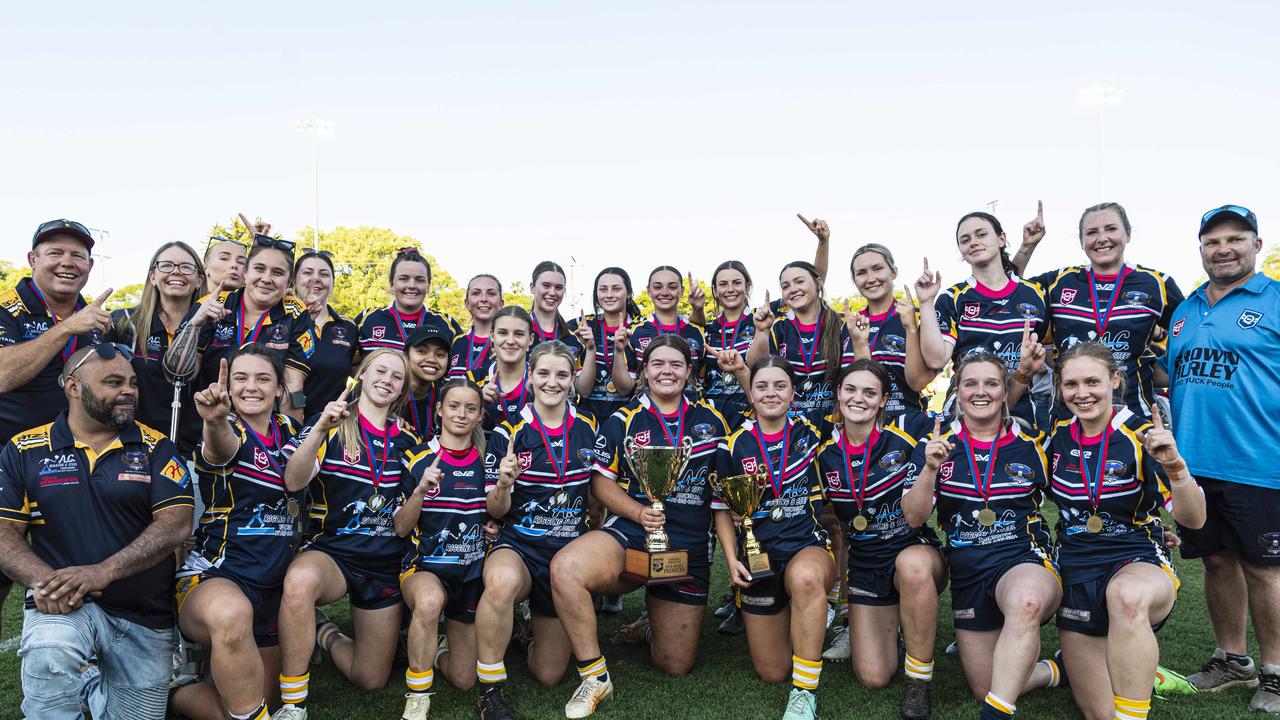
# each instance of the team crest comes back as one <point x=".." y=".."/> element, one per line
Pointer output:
<point x="749" y="464"/>
<point x="260" y="459"/>
<point x="586" y="454"/>
<point x="946" y="470"/>
<point x="703" y="430"/>
<point x="135" y="460"/>
<point x="644" y="342"/>
<point x="971" y="310"/>
<point x="1177" y="327"/>
<point x="642" y="437"/>
<point x="1248" y="319"/>
<point x="432" y="491"/>
<point x="1068" y="294"/>
<point x="351" y="455"/>
<point x="833" y="480"/>
<point x="1056" y="458"/>
<point x="526" y="460"/>
<point x="1027" y="310"/>
<point x="379" y="333"/>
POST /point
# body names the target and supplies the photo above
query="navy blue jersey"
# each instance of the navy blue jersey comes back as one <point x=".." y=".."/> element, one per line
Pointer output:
<point x="719" y="387"/>
<point x="286" y="328"/>
<point x="646" y="330"/>
<point x="868" y="480"/>
<point x="155" y="390"/>
<point x="449" y="538"/>
<point x="510" y="400"/>
<point x="24" y="316"/>
<point x="801" y="346"/>
<point x="1121" y="312"/>
<point x="688" y="507"/>
<point x="556" y="333"/>
<point x="888" y="345"/>
<point x="249" y="528"/>
<point x="976" y="317"/>
<point x="470" y="356"/>
<point x="1125" y="489"/>
<point x="387" y="327"/>
<point x="549" y="499"/>
<point x="1013" y="489"/>
<point x="605" y="398"/>
<point x="332" y="362"/>
<point x="80" y="508"/>
<point x="787" y="521"/>
<point x="346" y="519"/>
<point x="420" y="411"/>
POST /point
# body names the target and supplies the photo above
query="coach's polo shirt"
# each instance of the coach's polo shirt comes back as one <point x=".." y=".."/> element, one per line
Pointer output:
<point x="81" y="508"/>
<point x="1224" y="366"/>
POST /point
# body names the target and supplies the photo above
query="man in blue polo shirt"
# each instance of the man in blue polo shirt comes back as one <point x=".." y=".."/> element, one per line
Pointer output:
<point x="1224" y="346"/>
<point x="105" y="501"/>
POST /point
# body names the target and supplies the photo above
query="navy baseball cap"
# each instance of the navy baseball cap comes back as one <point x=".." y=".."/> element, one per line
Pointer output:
<point x="62" y="227"/>
<point x="1228" y="212"/>
<point x="427" y="333"/>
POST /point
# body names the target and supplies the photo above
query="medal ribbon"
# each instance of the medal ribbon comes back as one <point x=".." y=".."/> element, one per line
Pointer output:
<point x="376" y="477"/>
<point x="606" y="344"/>
<point x="893" y="310"/>
<point x="1093" y="487"/>
<point x="860" y="492"/>
<point x="657" y="326"/>
<point x="775" y="476"/>
<point x="560" y="464"/>
<point x="524" y="386"/>
<point x="1102" y="320"/>
<point x="413" y="412"/>
<point x="981" y="483"/>
<point x="275" y="440"/>
<point x="240" y="333"/>
<point x="70" y="348"/>
<point x="395" y="315"/>
<point x="733" y="339"/>
<point x="807" y="358"/>
<point x="662" y="422"/>
<point x="474" y="359"/>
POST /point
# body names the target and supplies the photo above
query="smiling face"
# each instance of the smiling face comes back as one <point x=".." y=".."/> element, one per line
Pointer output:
<point x="224" y="263"/>
<point x="175" y="283"/>
<point x="1103" y="238"/>
<point x="666" y="373"/>
<point x="978" y="242"/>
<point x="860" y="397"/>
<point x="459" y="411"/>
<point x="511" y="339"/>
<point x="254" y="386"/>
<point x="1087" y="387"/>
<point x="410" y="285"/>
<point x="548" y="291"/>
<point x="107" y="390"/>
<point x="314" y="281"/>
<point x="1229" y="251"/>
<point x="731" y="289"/>
<point x="873" y="276"/>
<point x="483" y="298"/>
<point x="771" y="393"/>
<point x="664" y="291"/>
<point x="383" y="380"/>
<point x="799" y="289"/>
<point x="429" y="361"/>
<point x="980" y="392"/>
<point x="60" y="267"/>
<point x="611" y="294"/>
<point x="267" y="279"/>
<point x="551" y="379"/>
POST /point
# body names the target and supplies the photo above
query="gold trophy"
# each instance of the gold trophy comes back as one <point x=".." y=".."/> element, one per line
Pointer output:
<point x="742" y="493"/>
<point x="656" y="469"/>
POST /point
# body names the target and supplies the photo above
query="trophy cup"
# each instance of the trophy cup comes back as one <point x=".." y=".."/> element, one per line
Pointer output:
<point x="656" y="469"/>
<point x="742" y="494"/>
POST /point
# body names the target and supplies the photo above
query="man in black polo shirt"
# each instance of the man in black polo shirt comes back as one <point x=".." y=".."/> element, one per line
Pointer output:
<point x="105" y="501"/>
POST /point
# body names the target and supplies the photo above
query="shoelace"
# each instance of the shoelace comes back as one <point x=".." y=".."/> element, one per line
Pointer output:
<point x="1270" y="683"/>
<point x="798" y="702"/>
<point x="586" y="692"/>
<point x="1214" y="665"/>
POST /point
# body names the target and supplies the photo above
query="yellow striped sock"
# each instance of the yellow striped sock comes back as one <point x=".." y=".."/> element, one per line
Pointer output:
<point x="1129" y="709"/>
<point x="1055" y="672"/>
<point x="918" y="669"/>
<point x="258" y="713"/>
<point x="489" y="674"/>
<point x="805" y="673"/>
<point x="326" y="634"/>
<point x="419" y="682"/>
<point x="1002" y="705"/>
<point x="293" y="690"/>
<point x="593" y="668"/>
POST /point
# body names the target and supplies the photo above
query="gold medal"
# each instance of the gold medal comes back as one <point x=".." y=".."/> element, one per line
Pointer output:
<point x="377" y="502"/>
<point x="860" y="522"/>
<point x="987" y="517"/>
<point x="293" y="508"/>
<point x="1094" y="524"/>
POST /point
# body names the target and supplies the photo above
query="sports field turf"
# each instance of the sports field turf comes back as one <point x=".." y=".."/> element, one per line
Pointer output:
<point x="724" y="686"/>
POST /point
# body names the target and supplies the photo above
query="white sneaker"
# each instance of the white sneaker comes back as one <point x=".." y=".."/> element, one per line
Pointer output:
<point x="416" y="706"/>
<point x="840" y="649"/>
<point x="588" y="697"/>
<point x="290" y="712"/>
<point x="831" y="615"/>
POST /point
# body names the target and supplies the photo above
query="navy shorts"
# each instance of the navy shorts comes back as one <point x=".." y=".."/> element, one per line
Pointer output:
<point x="973" y="601"/>
<point x="265" y="601"/>
<point x="1241" y="519"/>
<point x="872" y="583"/>
<point x="689" y="592"/>
<point x="368" y="589"/>
<point x="1084" y="604"/>
<point x="538" y="562"/>
<point x="768" y="596"/>
<point x="460" y="596"/>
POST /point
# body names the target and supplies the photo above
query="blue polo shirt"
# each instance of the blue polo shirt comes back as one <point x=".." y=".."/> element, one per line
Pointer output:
<point x="1224" y="366"/>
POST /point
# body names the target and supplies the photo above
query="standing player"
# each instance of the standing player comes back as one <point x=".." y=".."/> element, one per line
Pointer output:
<point x="987" y="478"/>
<point x="537" y="470"/>
<point x="337" y="343"/>
<point x="224" y="265"/>
<point x="472" y="350"/>
<point x="785" y="615"/>
<point x="389" y="327"/>
<point x="506" y="380"/>
<point x="606" y="351"/>
<point x="1223" y="344"/>
<point x="666" y="288"/>
<point x="547" y="286"/>
<point x="732" y="331"/>
<point x="1118" y="581"/>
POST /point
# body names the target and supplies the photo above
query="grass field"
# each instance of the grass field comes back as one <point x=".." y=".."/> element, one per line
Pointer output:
<point x="724" y="686"/>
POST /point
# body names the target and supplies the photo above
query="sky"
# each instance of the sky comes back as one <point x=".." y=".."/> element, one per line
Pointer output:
<point x="593" y="133"/>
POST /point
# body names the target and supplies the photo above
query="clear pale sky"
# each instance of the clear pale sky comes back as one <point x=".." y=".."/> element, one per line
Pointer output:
<point x="500" y="133"/>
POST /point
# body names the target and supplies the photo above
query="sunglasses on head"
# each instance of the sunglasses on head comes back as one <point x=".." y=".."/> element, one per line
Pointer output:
<point x="1243" y="212"/>
<point x="215" y="239"/>
<point x="106" y="351"/>
<point x="318" y="253"/>
<point x="285" y="246"/>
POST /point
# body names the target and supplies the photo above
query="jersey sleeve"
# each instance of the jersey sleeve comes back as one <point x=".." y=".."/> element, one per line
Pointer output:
<point x="170" y="480"/>
<point x="203" y="464"/>
<point x="916" y="467"/>
<point x="944" y="308"/>
<point x="10" y="328"/>
<point x="1173" y="298"/>
<point x="302" y="343"/>
<point x="495" y="449"/>
<point x="13" y="487"/>
<point x="608" y="447"/>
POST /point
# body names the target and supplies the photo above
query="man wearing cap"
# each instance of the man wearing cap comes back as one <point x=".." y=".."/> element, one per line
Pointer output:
<point x="43" y="320"/>
<point x="106" y="501"/>
<point x="1225" y="384"/>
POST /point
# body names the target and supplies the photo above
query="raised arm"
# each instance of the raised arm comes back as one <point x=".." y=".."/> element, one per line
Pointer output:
<point x="20" y="363"/>
<point x="935" y="348"/>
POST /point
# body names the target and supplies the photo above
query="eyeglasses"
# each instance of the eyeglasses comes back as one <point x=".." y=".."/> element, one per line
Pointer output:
<point x="215" y="239"/>
<point x="285" y="246"/>
<point x="318" y="253"/>
<point x="186" y="268"/>
<point x="106" y="351"/>
<point x="1243" y="212"/>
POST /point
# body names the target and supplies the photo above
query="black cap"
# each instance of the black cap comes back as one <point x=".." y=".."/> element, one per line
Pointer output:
<point x="1228" y="212"/>
<point x="426" y="334"/>
<point x="62" y="227"/>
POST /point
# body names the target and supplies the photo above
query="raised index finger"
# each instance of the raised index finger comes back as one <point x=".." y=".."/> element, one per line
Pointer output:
<point x="1040" y="211"/>
<point x="937" y="427"/>
<point x="804" y="220"/>
<point x="103" y="297"/>
<point x="1026" y="329"/>
<point x="222" y="372"/>
<point x="436" y="463"/>
<point x="1156" y="420"/>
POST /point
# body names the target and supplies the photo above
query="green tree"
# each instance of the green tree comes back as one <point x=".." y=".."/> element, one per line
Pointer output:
<point x="10" y="274"/>
<point x="125" y="297"/>
<point x="1271" y="263"/>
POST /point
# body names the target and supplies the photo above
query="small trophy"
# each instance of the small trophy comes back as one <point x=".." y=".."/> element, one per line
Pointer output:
<point x="742" y="494"/>
<point x="656" y="469"/>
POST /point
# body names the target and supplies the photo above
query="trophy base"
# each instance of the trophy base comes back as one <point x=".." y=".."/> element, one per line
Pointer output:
<point x="758" y="566"/>
<point x="656" y="568"/>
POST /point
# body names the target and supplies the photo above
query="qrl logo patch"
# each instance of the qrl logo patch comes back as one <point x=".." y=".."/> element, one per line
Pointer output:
<point x="432" y="491"/>
<point x="1248" y="319"/>
<point x="379" y="333"/>
<point x="946" y="470"/>
<point x="1067" y="295"/>
<point x="351" y="455"/>
<point x="526" y="460"/>
<point x="1177" y="327"/>
<point x="971" y="310"/>
<point x="260" y="459"/>
<point x="642" y="438"/>
<point x="833" y="480"/>
<point x="749" y="464"/>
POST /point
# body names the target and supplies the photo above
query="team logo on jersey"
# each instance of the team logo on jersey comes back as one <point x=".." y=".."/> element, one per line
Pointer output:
<point x="260" y="459"/>
<point x="644" y="342"/>
<point x="1019" y="473"/>
<point x="893" y="343"/>
<point x="971" y="310"/>
<point x="1248" y="319"/>
<point x="1136" y="297"/>
<point x="1056" y="458"/>
<point x="702" y="430"/>
<point x="1114" y="472"/>
<point x="586" y="454"/>
<point x="135" y="460"/>
<point x="455" y="359"/>
<point x="782" y="350"/>
<point x="1177" y="327"/>
<point x="802" y="444"/>
<point x="833" y="480"/>
<point x="891" y="459"/>
<point x="432" y="491"/>
<point x="946" y="470"/>
<point x="526" y="460"/>
<point x="1027" y="310"/>
<point x="351" y="455"/>
<point x="1068" y="294"/>
<point x="379" y="333"/>
<point x="749" y="464"/>
<point x="642" y="437"/>
<point x="1270" y="543"/>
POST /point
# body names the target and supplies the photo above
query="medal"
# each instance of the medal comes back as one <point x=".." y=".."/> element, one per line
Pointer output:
<point x="987" y="517"/>
<point x="775" y="477"/>
<point x="293" y="508"/>
<point x="860" y="490"/>
<point x="776" y="513"/>
<point x="1102" y="317"/>
<point x="559" y="464"/>
<point x="1094" y="524"/>
<point x="807" y="358"/>
<point x="377" y="502"/>
<point x="860" y="522"/>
